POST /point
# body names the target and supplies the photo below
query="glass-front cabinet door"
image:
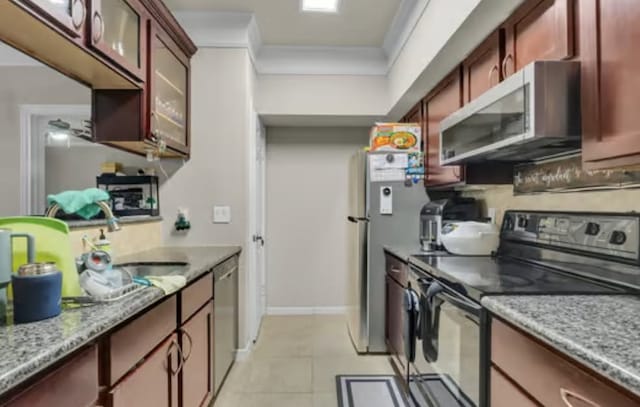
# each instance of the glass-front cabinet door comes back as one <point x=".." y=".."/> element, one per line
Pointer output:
<point x="68" y="15"/>
<point x="118" y="31"/>
<point x="169" y="96"/>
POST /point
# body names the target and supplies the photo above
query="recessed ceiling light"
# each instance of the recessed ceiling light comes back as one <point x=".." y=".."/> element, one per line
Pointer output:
<point x="320" y="6"/>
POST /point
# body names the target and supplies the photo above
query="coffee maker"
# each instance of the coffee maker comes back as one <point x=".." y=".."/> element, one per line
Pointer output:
<point x="434" y="214"/>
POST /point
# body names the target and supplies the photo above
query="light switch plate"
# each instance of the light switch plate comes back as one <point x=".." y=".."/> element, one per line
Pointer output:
<point x="221" y="214"/>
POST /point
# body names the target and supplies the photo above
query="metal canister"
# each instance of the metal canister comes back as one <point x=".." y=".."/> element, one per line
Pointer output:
<point x="37" y="292"/>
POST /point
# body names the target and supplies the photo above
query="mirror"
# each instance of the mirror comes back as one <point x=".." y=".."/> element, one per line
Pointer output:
<point x="45" y="139"/>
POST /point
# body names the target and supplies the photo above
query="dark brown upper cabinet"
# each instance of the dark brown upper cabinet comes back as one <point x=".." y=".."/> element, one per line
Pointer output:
<point x="168" y="92"/>
<point x="118" y="30"/>
<point x="68" y="15"/>
<point x="445" y="99"/>
<point x="481" y="70"/>
<point x="539" y="30"/>
<point x="609" y="34"/>
<point x="414" y="115"/>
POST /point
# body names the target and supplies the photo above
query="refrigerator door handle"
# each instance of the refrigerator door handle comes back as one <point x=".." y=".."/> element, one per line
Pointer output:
<point x="356" y="219"/>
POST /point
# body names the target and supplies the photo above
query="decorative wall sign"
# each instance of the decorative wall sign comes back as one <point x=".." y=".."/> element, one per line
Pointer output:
<point x="567" y="175"/>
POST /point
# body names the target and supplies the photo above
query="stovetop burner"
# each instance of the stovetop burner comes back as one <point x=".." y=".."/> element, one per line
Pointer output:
<point x="476" y="276"/>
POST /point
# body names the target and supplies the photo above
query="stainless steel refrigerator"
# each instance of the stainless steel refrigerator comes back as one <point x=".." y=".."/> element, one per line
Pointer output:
<point x="381" y="213"/>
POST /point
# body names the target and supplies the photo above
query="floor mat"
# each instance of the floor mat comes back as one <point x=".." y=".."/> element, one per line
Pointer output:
<point x="440" y="393"/>
<point x="369" y="391"/>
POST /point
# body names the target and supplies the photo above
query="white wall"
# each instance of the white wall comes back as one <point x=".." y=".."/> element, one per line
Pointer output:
<point x="26" y="85"/>
<point x="216" y="174"/>
<point x="307" y="204"/>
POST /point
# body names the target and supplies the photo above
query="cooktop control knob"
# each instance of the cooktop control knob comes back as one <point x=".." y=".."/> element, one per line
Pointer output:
<point x="522" y="222"/>
<point x="618" y="237"/>
<point x="593" y="229"/>
<point x="508" y="222"/>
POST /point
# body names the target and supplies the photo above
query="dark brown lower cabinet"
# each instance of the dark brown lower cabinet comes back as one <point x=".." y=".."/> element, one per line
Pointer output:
<point x="528" y="373"/>
<point x="395" y="321"/>
<point x="154" y="382"/>
<point x="197" y="372"/>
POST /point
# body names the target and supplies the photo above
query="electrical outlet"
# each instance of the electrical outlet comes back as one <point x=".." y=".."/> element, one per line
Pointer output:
<point x="221" y="214"/>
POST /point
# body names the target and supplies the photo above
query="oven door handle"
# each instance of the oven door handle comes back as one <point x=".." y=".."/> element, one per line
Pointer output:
<point x="460" y="302"/>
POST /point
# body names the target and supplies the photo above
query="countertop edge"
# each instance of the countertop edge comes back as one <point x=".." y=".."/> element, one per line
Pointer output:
<point x="560" y="343"/>
<point x="149" y="298"/>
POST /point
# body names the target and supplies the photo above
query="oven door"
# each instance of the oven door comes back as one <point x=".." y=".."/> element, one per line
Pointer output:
<point x="446" y="367"/>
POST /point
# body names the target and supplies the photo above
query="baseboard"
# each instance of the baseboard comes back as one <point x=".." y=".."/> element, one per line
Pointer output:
<point x="306" y="310"/>
<point x="243" y="354"/>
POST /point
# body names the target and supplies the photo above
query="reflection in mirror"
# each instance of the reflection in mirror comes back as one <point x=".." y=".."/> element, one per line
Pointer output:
<point x="45" y="141"/>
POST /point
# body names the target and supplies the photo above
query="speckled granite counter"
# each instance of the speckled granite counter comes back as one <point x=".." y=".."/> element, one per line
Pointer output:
<point x="601" y="332"/>
<point x="403" y="252"/>
<point x="28" y="349"/>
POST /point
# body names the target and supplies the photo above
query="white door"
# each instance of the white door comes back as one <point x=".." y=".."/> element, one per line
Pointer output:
<point x="258" y="239"/>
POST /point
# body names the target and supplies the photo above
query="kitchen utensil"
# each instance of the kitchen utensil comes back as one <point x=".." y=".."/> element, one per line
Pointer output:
<point x="470" y="238"/>
<point x="37" y="292"/>
<point x="55" y="247"/>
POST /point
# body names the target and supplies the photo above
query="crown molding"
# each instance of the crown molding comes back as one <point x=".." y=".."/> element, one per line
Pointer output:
<point x="241" y="30"/>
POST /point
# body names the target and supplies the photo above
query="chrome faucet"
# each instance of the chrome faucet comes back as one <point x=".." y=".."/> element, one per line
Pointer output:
<point x="112" y="221"/>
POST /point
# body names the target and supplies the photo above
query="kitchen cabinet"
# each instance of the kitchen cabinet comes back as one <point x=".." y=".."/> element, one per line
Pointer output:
<point x="529" y="370"/>
<point x="169" y="92"/>
<point x="197" y="344"/>
<point x="395" y="282"/>
<point x="481" y="70"/>
<point x="609" y="33"/>
<point x="118" y="31"/>
<point x="68" y="15"/>
<point x="445" y="99"/>
<point x="154" y="382"/>
<point x="73" y="384"/>
<point x="415" y="115"/>
<point x="539" y="30"/>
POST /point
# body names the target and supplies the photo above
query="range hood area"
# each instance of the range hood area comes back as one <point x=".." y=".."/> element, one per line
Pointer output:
<point x="532" y="115"/>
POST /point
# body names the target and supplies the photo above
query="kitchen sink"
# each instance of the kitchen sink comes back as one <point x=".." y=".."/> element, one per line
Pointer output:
<point x="145" y="269"/>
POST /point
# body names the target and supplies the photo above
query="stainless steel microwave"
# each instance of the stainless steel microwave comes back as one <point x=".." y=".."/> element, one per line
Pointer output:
<point x="531" y="115"/>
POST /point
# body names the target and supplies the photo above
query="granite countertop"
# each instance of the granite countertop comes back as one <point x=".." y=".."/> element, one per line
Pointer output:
<point x="125" y="220"/>
<point x="599" y="331"/>
<point x="27" y="349"/>
<point x="403" y="252"/>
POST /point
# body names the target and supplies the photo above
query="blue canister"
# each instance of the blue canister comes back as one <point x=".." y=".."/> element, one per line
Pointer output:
<point x="37" y="292"/>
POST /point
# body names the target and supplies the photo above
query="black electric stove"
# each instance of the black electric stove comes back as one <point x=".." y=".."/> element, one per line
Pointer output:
<point x="548" y="253"/>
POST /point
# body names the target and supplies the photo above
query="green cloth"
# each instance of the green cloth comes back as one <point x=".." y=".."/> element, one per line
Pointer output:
<point x="81" y="203"/>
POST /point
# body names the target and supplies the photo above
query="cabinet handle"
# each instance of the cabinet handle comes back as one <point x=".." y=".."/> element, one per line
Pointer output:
<point x="504" y="64"/>
<point x="565" y="394"/>
<point x="97" y="36"/>
<point x="180" y="358"/>
<point x="491" y="71"/>
<point x="395" y="270"/>
<point x="188" y="336"/>
<point x="77" y="24"/>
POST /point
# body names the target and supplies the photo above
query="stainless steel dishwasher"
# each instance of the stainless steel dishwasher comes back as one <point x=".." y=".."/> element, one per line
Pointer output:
<point x="225" y="311"/>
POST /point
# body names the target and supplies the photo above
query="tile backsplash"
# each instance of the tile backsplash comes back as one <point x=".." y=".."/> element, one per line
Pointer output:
<point x="132" y="238"/>
<point x="501" y="197"/>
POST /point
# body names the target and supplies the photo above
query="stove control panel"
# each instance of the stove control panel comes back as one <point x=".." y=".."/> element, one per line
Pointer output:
<point x="611" y="235"/>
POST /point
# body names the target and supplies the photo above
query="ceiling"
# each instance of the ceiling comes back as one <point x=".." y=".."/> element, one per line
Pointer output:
<point x="359" y="23"/>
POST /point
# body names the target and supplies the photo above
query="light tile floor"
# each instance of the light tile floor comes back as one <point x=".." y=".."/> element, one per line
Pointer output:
<point x="294" y="364"/>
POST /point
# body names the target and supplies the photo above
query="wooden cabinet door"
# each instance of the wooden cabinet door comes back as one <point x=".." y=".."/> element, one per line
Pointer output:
<point x="395" y="320"/>
<point x="118" y="30"/>
<point x="197" y="344"/>
<point x="154" y="382"/>
<point x="414" y="115"/>
<point x="67" y="15"/>
<point x="540" y="30"/>
<point x="506" y="394"/>
<point x="446" y="99"/>
<point x="609" y="34"/>
<point x="481" y="70"/>
<point x="168" y="92"/>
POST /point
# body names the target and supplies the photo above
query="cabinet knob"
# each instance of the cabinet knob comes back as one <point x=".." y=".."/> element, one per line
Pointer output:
<point x="98" y="27"/>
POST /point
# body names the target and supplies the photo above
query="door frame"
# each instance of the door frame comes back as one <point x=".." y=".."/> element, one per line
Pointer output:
<point x="32" y="149"/>
<point x="257" y="280"/>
